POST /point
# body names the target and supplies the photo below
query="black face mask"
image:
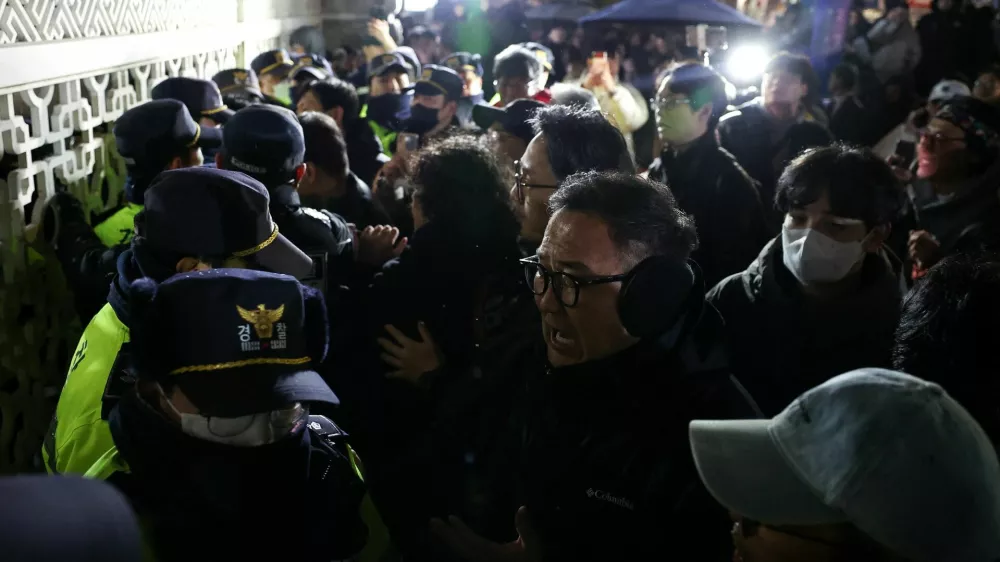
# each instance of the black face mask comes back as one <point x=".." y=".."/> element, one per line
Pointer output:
<point x="422" y="120"/>
<point x="389" y="109"/>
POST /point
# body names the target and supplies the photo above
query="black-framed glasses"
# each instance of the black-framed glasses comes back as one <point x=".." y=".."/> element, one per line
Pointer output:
<point x="935" y="139"/>
<point x="748" y="528"/>
<point x="519" y="183"/>
<point x="566" y="287"/>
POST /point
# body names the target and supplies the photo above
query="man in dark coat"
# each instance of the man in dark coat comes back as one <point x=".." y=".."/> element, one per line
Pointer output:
<point x="822" y="298"/>
<point x="599" y="465"/>
<point x="706" y="180"/>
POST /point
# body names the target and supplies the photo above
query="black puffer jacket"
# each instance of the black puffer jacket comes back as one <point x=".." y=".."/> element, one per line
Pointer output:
<point x="725" y="204"/>
<point x="600" y="454"/>
<point x="783" y="343"/>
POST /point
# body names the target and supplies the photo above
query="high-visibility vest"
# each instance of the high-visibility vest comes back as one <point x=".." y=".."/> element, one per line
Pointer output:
<point x="119" y="227"/>
<point x="385" y="135"/>
<point x="78" y="436"/>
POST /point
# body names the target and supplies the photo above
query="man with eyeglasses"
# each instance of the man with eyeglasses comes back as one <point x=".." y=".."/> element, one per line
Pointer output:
<point x="953" y="205"/>
<point x="706" y="180"/>
<point x="871" y="466"/>
<point x="600" y="468"/>
<point x="566" y="140"/>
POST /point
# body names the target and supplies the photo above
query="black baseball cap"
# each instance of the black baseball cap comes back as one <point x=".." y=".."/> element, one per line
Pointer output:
<point x="212" y="212"/>
<point x="311" y="66"/>
<point x="264" y="141"/>
<point x="235" y="341"/>
<point x="516" y="61"/>
<point x="237" y="81"/>
<point x="394" y="61"/>
<point x="463" y="61"/>
<point x="276" y="62"/>
<point x="544" y="54"/>
<point x="439" y="80"/>
<point x="515" y="118"/>
<point x="202" y="97"/>
<point x="146" y="134"/>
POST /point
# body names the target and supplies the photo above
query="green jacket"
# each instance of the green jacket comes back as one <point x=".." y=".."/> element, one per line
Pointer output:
<point x="119" y="227"/>
<point x="78" y="437"/>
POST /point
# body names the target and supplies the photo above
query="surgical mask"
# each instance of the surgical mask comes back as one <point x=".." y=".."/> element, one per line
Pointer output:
<point x="283" y="93"/>
<point x="677" y="124"/>
<point x="253" y="430"/>
<point x="388" y="109"/>
<point x="814" y="257"/>
<point x="422" y="120"/>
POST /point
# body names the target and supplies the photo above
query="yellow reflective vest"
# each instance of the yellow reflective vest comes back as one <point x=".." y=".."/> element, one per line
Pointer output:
<point x="386" y="136"/>
<point x="78" y="438"/>
<point x="119" y="227"/>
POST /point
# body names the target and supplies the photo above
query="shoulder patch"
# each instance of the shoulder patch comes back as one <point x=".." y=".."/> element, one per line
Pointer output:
<point x="318" y="215"/>
<point x="325" y="427"/>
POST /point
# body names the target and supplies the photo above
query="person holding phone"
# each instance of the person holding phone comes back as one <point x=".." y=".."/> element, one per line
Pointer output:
<point x="622" y="103"/>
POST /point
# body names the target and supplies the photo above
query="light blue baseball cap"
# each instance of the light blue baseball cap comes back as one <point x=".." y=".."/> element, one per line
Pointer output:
<point x="889" y="453"/>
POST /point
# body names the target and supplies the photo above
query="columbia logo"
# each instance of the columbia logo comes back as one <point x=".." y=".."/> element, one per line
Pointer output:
<point x="604" y="496"/>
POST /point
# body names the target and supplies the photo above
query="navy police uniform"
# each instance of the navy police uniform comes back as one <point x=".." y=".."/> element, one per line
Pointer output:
<point x="202" y="97"/>
<point x="277" y="63"/>
<point x="267" y="143"/>
<point x="461" y="63"/>
<point x="239" y="87"/>
<point x="236" y="343"/>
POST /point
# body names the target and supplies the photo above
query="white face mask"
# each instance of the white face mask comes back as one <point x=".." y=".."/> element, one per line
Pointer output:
<point x="814" y="257"/>
<point x="283" y="92"/>
<point x="245" y="431"/>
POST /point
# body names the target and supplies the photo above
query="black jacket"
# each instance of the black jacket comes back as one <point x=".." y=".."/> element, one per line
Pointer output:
<point x="782" y="343"/>
<point x="600" y="453"/>
<point x="203" y="501"/>
<point x="322" y="235"/>
<point x="416" y="441"/>
<point x="88" y="264"/>
<point x="751" y="135"/>
<point x="364" y="150"/>
<point x="725" y="204"/>
<point x="464" y="112"/>
<point x="356" y="206"/>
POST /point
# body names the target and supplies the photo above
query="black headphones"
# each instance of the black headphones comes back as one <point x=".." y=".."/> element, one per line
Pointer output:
<point x="655" y="294"/>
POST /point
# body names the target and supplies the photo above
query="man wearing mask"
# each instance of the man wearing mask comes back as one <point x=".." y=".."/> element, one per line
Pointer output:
<point x="239" y="87"/>
<point x="706" y="180"/>
<point x="435" y="102"/>
<point x="328" y="183"/>
<point x="627" y="334"/>
<point x="195" y="219"/>
<point x="213" y="435"/>
<point x="952" y="204"/>
<point x="822" y="298"/>
<point x="765" y="133"/>
<point x="267" y="144"/>
<point x="152" y="137"/>
<point x="272" y="70"/>
<point x="470" y="68"/>
<point x="567" y="140"/>
<point x="389" y="97"/>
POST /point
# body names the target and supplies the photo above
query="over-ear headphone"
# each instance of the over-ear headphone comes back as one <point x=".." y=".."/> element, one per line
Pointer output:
<point x="655" y="294"/>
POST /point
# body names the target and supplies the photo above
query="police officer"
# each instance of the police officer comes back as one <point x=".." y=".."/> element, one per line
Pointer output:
<point x="272" y="70"/>
<point x="213" y="439"/>
<point x="195" y="219"/>
<point x="308" y="68"/>
<point x="239" y="87"/>
<point x="390" y="79"/>
<point x="152" y="137"/>
<point x="202" y="99"/>
<point x="435" y="101"/>
<point x="266" y="143"/>
<point x="470" y="68"/>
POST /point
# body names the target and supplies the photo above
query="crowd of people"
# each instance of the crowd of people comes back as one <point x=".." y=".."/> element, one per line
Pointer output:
<point x="353" y="308"/>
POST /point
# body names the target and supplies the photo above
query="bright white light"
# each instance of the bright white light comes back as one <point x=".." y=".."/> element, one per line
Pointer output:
<point x="747" y="62"/>
<point x="418" y="5"/>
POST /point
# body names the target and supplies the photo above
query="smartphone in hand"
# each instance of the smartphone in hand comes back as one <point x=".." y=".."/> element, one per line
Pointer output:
<point x="407" y="142"/>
